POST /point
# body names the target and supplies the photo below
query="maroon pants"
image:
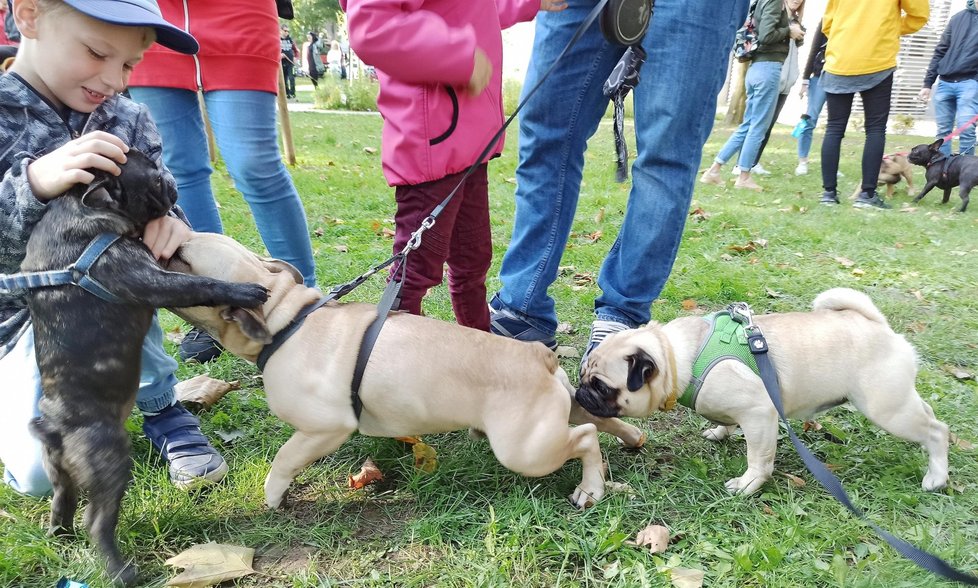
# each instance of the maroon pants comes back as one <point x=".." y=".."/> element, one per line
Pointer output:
<point x="461" y="237"/>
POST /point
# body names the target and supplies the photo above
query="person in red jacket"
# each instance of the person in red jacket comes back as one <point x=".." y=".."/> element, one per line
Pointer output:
<point x="237" y="69"/>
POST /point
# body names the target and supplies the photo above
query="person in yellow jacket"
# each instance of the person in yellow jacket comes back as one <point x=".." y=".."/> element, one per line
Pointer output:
<point x="864" y="38"/>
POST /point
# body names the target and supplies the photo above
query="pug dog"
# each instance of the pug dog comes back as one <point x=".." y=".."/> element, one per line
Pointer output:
<point x="945" y="172"/>
<point x="893" y="168"/>
<point x="424" y="376"/>
<point x="842" y="351"/>
<point x="88" y="349"/>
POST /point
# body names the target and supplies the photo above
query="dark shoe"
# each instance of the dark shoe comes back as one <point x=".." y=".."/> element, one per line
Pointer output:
<point x="509" y="323"/>
<point x="199" y="346"/>
<point x="870" y="200"/>
<point x="600" y="329"/>
<point x="175" y="433"/>
<point x="829" y="197"/>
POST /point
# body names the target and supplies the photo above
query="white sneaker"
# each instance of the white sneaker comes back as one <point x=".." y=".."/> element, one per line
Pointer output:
<point x="802" y="169"/>
<point x="735" y="171"/>
<point x="600" y="329"/>
<point x="759" y="170"/>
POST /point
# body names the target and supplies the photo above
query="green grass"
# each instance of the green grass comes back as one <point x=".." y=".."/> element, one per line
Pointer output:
<point x="473" y="523"/>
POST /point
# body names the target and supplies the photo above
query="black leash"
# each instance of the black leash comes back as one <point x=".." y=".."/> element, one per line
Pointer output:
<point x="758" y="346"/>
<point x="390" y="296"/>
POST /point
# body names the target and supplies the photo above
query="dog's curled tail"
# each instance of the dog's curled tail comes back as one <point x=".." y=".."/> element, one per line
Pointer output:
<point x="45" y="433"/>
<point x="849" y="299"/>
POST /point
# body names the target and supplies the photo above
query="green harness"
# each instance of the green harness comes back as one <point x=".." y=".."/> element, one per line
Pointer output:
<point x="727" y="340"/>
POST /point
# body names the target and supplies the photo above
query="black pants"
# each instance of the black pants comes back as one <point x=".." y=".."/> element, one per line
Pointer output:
<point x="876" y="107"/>
<point x="289" y="70"/>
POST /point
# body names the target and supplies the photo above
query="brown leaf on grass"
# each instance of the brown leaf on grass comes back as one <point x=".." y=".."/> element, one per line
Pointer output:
<point x="686" y="578"/>
<point x="174" y="335"/>
<point x="689" y="304"/>
<point x="768" y="510"/>
<point x="567" y="351"/>
<point x="908" y="209"/>
<point x="961" y="443"/>
<point x="845" y="261"/>
<point x="918" y="295"/>
<point x="917" y="327"/>
<point x="201" y="392"/>
<point x="510" y="180"/>
<point x="209" y="564"/>
<point x="858" y="272"/>
<point x="409" y="440"/>
<point x="593" y="237"/>
<point x="370" y="150"/>
<point x="743" y="248"/>
<point x="655" y="536"/>
<point x="958" y="373"/>
<point x="794" y="480"/>
<point x="341" y="248"/>
<point x="369" y="473"/>
<point x="319" y="232"/>
<point x="583" y="279"/>
<point x="699" y="214"/>
<point x="600" y="215"/>
<point x="622" y="488"/>
<point x="898" y="245"/>
<point x="773" y="293"/>
<point x="425" y="458"/>
<point x="565" y="328"/>
<point x="387" y="232"/>
<point x="811" y="426"/>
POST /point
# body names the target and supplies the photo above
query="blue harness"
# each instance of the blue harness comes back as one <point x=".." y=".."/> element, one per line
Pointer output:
<point x="76" y="273"/>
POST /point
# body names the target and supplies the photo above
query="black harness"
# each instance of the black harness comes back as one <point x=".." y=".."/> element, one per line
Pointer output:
<point x="948" y="160"/>
<point x="76" y="274"/>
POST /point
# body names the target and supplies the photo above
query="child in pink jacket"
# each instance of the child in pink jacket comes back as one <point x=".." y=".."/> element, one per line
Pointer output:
<point x="439" y="65"/>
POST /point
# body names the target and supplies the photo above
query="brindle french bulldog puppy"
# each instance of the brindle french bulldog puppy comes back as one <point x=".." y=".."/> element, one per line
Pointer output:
<point x="945" y="172"/>
<point x="88" y="350"/>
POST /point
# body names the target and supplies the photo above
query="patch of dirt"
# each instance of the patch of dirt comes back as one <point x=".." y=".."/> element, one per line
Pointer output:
<point x="284" y="561"/>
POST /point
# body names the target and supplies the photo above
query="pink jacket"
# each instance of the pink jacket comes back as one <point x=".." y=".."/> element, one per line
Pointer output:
<point x="423" y="51"/>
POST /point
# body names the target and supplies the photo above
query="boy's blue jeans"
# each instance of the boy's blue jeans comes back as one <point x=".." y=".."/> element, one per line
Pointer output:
<point x="954" y="104"/>
<point x="675" y="104"/>
<point x="245" y="130"/>
<point x="816" y="101"/>
<point x="20" y="451"/>
<point x="762" y="81"/>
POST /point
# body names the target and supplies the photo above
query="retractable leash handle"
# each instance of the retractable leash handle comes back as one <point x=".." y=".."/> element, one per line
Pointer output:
<point x="758" y="346"/>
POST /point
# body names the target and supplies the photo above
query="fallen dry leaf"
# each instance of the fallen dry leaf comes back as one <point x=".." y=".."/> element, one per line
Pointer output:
<point x="370" y="150"/>
<point x="425" y="458"/>
<point x="858" y="272"/>
<point x="794" y="480"/>
<point x="567" y="351"/>
<point x="341" y="248"/>
<point x="811" y="426"/>
<point x="409" y="440"/>
<point x="655" y="536"/>
<point x="918" y="295"/>
<point x="387" y="232"/>
<point x="565" y="328"/>
<point x="686" y="578"/>
<point x="369" y="473"/>
<point x="961" y="443"/>
<point x="768" y="510"/>
<point x="319" y="232"/>
<point x="583" y="279"/>
<point x="845" y="261"/>
<point x="593" y="237"/>
<point x="201" y="392"/>
<point x="600" y="215"/>
<point x="620" y="488"/>
<point x="958" y="373"/>
<point x="773" y="293"/>
<point x="211" y="563"/>
<point x="699" y="214"/>
<point x="689" y="304"/>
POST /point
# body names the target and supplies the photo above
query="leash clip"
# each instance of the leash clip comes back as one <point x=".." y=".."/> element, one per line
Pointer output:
<point x="741" y="312"/>
<point x="415" y="240"/>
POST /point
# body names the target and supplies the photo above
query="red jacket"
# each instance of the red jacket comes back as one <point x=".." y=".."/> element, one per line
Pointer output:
<point x="239" y="47"/>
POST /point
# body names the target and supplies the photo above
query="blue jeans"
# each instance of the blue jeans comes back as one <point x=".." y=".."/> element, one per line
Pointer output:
<point x="816" y="100"/>
<point x="247" y="137"/>
<point x="20" y="451"/>
<point x="762" y="82"/>
<point x="687" y="47"/>
<point x="954" y="104"/>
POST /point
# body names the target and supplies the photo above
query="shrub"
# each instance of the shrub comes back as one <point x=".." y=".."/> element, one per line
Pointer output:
<point x="335" y="94"/>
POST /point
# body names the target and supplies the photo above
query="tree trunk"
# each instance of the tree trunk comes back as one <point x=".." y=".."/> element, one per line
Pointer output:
<point x="738" y="94"/>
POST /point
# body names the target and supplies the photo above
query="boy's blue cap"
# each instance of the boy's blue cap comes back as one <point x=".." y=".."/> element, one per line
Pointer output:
<point x="138" y="13"/>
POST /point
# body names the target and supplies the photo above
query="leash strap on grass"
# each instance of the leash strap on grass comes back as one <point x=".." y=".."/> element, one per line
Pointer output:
<point x="77" y="274"/>
<point x="928" y="561"/>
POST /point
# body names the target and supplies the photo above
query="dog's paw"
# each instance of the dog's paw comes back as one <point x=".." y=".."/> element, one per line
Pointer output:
<point x="718" y="433"/>
<point x="747" y="484"/>
<point x="125" y="576"/>
<point x="248" y="295"/>
<point x="582" y="499"/>
<point x="61" y="531"/>
<point x="934" y="481"/>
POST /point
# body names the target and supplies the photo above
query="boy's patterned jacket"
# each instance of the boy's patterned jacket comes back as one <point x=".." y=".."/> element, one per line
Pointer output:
<point x="29" y="128"/>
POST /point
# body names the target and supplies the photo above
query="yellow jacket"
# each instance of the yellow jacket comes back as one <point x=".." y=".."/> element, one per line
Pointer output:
<point x="864" y="35"/>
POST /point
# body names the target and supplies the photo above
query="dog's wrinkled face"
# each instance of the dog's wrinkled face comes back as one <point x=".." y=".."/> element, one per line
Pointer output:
<point x="625" y="375"/>
<point x="242" y="331"/>
<point x="139" y="193"/>
<point x="922" y="154"/>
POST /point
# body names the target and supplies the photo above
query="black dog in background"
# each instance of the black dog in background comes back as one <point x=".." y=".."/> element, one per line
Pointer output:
<point x="945" y="171"/>
<point x="88" y="350"/>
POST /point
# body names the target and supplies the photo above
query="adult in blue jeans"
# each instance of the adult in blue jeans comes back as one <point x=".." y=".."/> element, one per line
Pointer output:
<point x="777" y="27"/>
<point x="955" y="63"/>
<point x="812" y="90"/>
<point x="687" y="45"/>
<point x="237" y="68"/>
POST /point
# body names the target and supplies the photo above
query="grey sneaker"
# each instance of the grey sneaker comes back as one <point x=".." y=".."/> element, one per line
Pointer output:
<point x="193" y="461"/>
<point x="600" y="329"/>
<point x="870" y="200"/>
<point x="829" y="198"/>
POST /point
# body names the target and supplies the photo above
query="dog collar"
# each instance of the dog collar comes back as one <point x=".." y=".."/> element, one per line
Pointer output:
<point x="727" y="339"/>
<point x="78" y="273"/>
<point x="670" y="402"/>
<point x="282" y="336"/>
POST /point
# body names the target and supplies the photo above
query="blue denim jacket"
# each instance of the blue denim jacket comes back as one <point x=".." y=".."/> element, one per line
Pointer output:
<point x="29" y="128"/>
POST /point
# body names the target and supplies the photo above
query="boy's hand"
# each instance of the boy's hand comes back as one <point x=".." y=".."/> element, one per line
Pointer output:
<point x="553" y="5"/>
<point x="481" y="73"/>
<point x="165" y="235"/>
<point x="54" y="174"/>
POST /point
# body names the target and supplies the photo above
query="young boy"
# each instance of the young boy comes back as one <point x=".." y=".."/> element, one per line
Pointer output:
<point x="61" y="115"/>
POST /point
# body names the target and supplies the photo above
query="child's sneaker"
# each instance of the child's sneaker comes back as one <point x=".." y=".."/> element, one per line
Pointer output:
<point x="175" y="433"/>
<point x="600" y="329"/>
<point x="802" y="169"/>
<point x="508" y="323"/>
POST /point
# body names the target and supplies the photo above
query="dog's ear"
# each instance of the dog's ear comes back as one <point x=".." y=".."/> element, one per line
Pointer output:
<point x="97" y="195"/>
<point x="641" y="369"/>
<point x="936" y="145"/>
<point x="276" y="266"/>
<point x="251" y="322"/>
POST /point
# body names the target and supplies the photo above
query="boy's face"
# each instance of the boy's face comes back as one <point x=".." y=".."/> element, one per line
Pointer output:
<point x="74" y="60"/>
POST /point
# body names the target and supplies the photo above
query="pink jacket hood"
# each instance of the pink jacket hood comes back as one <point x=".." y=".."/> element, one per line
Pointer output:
<point x="423" y="51"/>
